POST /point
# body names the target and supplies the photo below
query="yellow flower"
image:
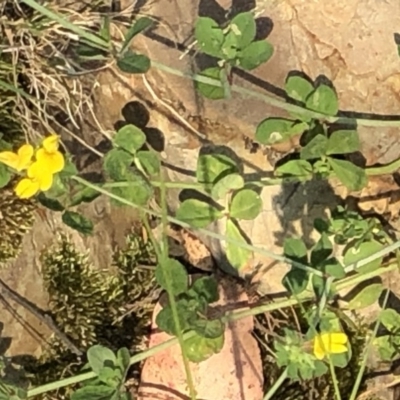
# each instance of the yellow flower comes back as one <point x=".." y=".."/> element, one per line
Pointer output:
<point x="19" y="160"/>
<point x="49" y="156"/>
<point x="330" y="343"/>
<point x="40" y="178"/>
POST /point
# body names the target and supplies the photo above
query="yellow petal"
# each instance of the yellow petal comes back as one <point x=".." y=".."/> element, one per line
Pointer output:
<point x="339" y="338"/>
<point x="25" y="154"/>
<point x="26" y="188"/>
<point x="50" y="143"/>
<point x="9" y="158"/>
<point x="319" y="349"/>
<point x="36" y="169"/>
<point x="54" y="162"/>
<point x="45" y="181"/>
<point x="338" y="348"/>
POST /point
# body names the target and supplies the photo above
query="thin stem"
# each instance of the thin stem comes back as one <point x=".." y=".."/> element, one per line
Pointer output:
<point x="276" y="385"/>
<point x="367" y="349"/>
<point x="334" y="379"/>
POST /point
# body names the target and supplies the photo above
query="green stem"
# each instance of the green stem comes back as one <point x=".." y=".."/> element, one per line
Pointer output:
<point x="334" y="379"/>
<point x="276" y="385"/>
<point x="367" y="349"/>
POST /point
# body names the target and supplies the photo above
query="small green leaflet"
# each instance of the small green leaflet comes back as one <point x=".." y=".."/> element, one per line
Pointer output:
<point x="237" y="256"/>
<point x="210" y="91"/>
<point x="243" y="26"/>
<point x="352" y="176"/>
<point x="354" y="254"/>
<point x="209" y="36"/>
<point x="343" y="142"/>
<point x="133" y="63"/>
<point x="323" y="100"/>
<point x="174" y="272"/>
<point x="277" y="130"/>
<point x="130" y="138"/>
<point x="298" y="88"/>
<point x="255" y="54"/>
<point x="366" y="297"/>
<point x="212" y="167"/>
<point x="197" y="213"/>
<point x="245" y="204"/>
<point x="78" y="222"/>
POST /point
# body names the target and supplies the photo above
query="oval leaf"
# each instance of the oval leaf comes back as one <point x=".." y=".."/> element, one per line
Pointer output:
<point x="116" y="164"/>
<point x="278" y="130"/>
<point x="363" y="251"/>
<point x="227" y="184"/>
<point x="245" y="204"/>
<point x="133" y="63"/>
<point x="323" y="100"/>
<point x="255" y="54"/>
<point x="199" y="348"/>
<point x="390" y="319"/>
<point x="5" y="175"/>
<point x="243" y="26"/>
<point x="366" y="297"/>
<point x="353" y="177"/>
<point x="174" y="272"/>
<point x="130" y="138"/>
<point x="298" y="88"/>
<point x="210" y="91"/>
<point x="150" y="162"/>
<point x="78" y="222"/>
<point x="197" y="213"/>
<point x="343" y="142"/>
<point x="316" y="148"/>
<point x="99" y="355"/>
<point x="209" y="36"/>
<point x="211" y="167"/>
<point x="237" y="256"/>
<point x="294" y="168"/>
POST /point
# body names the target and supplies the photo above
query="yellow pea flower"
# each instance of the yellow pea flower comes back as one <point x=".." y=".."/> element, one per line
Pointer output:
<point x="39" y="178"/>
<point x="330" y="343"/>
<point x="19" y="160"/>
<point x="50" y="156"/>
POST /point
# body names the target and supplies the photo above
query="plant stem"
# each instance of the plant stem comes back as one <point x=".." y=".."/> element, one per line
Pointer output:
<point x="334" y="379"/>
<point x="278" y="383"/>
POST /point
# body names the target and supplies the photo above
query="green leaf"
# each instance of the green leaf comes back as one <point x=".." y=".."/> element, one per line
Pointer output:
<point x="390" y="319"/>
<point x="277" y="130"/>
<point x="353" y="177"/>
<point x="116" y="164"/>
<point x="211" y="329"/>
<point x="98" y="392"/>
<point x="187" y="310"/>
<point x="133" y="63"/>
<point x="366" y="297"/>
<point x="316" y="148"/>
<point x="199" y="348"/>
<point x="243" y="26"/>
<point x="100" y="356"/>
<point x="386" y="348"/>
<point x="354" y="254"/>
<point x="209" y="36"/>
<point x="111" y="377"/>
<point x="68" y="170"/>
<point x="211" y="167"/>
<point x="123" y="359"/>
<point x="5" y="175"/>
<point x="343" y="142"/>
<point x="50" y="203"/>
<point x="85" y="195"/>
<point x="318" y="285"/>
<point x="296" y="280"/>
<point x="229" y="48"/>
<point x="58" y="189"/>
<point x="78" y="222"/>
<point x="150" y="162"/>
<point x="130" y="138"/>
<point x="332" y="267"/>
<point x="197" y="214"/>
<point x="294" y="168"/>
<point x="255" y="54"/>
<point x="137" y="191"/>
<point x="321" y="251"/>
<point x="138" y="26"/>
<point x="212" y="91"/>
<point x="298" y="88"/>
<point x="207" y="287"/>
<point x="174" y="272"/>
<point x="245" y="204"/>
<point x="341" y="360"/>
<point x="295" y="249"/>
<point x="323" y="100"/>
<point x="226" y="185"/>
<point x="237" y="256"/>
